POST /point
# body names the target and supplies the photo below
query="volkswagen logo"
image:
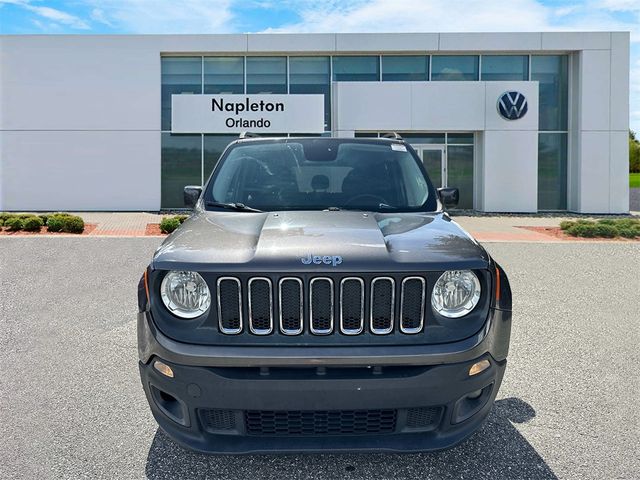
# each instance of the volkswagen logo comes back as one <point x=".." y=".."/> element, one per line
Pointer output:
<point x="512" y="105"/>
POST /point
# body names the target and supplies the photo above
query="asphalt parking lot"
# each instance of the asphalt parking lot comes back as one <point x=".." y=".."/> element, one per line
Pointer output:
<point x="71" y="405"/>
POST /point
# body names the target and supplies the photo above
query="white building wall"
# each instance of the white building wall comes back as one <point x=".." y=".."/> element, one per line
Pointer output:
<point x="85" y="111"/>
<point x="507" y="156"/>
<point x="80" y="123"/>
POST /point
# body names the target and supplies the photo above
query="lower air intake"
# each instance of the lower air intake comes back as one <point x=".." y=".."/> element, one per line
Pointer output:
<point x="319" y="422"/>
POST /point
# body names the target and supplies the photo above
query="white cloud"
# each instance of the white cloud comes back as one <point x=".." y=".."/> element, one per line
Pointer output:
<point x="475" y="16"/>
<point x="58" y="16"/>
<point x="164" y="16"/>
<point x="55" y="16"/>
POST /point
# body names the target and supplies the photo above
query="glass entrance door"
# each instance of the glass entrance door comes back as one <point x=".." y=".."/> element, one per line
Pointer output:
<point x="434" y="161"/>
<point x="450" y="167"/>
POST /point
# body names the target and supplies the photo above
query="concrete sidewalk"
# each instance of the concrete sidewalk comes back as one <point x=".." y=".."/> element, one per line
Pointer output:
<point x="484" y="228"/>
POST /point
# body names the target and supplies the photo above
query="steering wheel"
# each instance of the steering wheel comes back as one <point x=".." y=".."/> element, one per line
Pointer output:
<point x="377" y="199"/>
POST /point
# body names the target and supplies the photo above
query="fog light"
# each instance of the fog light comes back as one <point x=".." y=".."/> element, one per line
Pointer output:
<point x="479" y="367"/>
<point x="163" y="368"/>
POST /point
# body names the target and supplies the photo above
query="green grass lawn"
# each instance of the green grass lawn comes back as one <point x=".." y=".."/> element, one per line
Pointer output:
<point x="634" y="180"/>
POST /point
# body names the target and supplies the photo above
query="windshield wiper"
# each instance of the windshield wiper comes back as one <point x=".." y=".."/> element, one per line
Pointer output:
<point x="240" y="207"/>
<point x="381" y="206"/>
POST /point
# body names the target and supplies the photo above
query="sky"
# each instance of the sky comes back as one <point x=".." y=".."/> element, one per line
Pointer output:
<point x="242" y="16"/>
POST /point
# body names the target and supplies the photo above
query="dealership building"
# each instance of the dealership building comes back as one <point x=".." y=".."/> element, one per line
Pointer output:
<point x="519" y="122"/>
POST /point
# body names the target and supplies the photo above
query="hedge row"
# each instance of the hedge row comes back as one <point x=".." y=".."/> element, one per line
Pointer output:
<point x="55" y="222"/>
<point x="169" y="224"/>
<point x="606" y="228"/>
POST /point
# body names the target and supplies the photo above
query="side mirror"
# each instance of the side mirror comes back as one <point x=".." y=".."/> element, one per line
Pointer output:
<point x="449" y="196"/>
<point x="191" y="195"/>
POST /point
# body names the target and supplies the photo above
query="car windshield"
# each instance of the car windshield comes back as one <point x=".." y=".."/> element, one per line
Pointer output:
<point x="319" y="174"/>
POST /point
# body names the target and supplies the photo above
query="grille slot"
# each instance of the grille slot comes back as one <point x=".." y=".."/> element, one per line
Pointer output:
<point x="229" y="305"/>
<point x="383" y="293"/>
<point x="422" y="418"/>
<point x="412" y="305"/>
<point x="291" y="305"/>
<point x="260" y="306"/>
<point x="321" y="308"/>
<point x="351" y="305"/>
<point x="319" y="422"/>
<point x="218" y="419"/>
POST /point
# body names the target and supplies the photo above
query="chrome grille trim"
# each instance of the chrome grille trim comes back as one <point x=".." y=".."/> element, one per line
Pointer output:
<point x="320" y="331"/>
<point x="351" y="331"/>
<point x="284" y="330"/>
<point x="377" y="331"/>
<point x="252" y="328"/>
<point x="229" y="331"/>
<point x="417" y="329"/>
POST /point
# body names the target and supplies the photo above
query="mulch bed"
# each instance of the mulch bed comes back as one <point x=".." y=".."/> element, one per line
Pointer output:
<point x="153" y="229"/>
<point x="558" y="233"/>
<point x="88" y="228"/>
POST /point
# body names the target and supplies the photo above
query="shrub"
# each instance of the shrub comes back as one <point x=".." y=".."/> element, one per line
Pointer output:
<point x="169" y="224"/>
<point x="72" y="224"/>
<point x="606" y="230"/>
<point x="44" y="217"/>
<point x="14" y="223"/>
<point x="55" y="223"/>
<point x="1" y="223"/>
<point x="32" y="224"/>
<point x="629" y="232"/>
<point x="608" y="221"/>
<point x="181" y="218"/>
<point x="564" y="225"/>
<point x="582" y="230"/>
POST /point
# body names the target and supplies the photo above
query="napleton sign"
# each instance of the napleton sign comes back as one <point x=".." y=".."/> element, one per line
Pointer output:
<point x="256" y="113"/>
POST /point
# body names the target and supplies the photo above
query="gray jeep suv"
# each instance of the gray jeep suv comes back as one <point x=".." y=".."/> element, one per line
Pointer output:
<point x="320" y="299"/>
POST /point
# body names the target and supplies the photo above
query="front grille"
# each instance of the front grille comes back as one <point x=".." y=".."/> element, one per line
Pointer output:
<point x="362" y="305"/>
<point x="319" y="422"/>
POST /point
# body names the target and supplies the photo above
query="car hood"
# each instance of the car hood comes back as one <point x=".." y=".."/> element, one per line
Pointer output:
<point x="278" y="241"/>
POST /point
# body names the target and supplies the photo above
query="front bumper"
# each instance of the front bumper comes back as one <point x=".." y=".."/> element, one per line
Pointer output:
<point x="253" y="400"/>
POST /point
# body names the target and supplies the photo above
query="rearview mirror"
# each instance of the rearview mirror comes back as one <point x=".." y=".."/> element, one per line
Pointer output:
<point x="191" y="195"/>
<point x="449" y="196"/>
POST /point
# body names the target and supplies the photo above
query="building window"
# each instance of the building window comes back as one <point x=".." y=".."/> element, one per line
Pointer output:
<point x="552" y="73"/>
<point x="505" y="67"/>
<point x="181" y="164"/>
<point x="178" y="75"/>
<point x="356" y="68"/>
<point x="403" y="68"/>
<point x="552" y="171"/>
<point x="266" y="74"/>
<point x="454" y="67"/>
<point x="312" y="75"/>
<point x="223" y="75"/>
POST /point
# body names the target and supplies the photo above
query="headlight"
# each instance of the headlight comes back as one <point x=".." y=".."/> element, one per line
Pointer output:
<point x="456" y="293"/>
<point x="185" y="294"/>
